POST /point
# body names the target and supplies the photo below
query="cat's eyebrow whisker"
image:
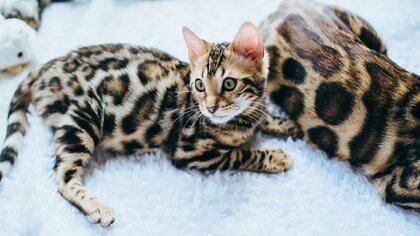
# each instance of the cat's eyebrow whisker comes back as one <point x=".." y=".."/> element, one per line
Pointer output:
<point x="228" y="63"/>
<point x="234" y="63"/>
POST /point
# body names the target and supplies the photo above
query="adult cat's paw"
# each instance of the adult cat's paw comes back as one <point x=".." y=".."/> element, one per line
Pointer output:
<point x="100" y="213"/>
<point x="277" y="161"/>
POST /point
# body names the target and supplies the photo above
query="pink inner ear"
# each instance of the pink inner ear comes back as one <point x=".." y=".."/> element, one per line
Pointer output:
<point x="248" y="42"/>
<point x="195" y="45"/>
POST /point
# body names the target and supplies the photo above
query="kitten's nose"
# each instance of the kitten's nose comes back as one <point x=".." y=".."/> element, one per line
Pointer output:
<point x="211" y="109"/>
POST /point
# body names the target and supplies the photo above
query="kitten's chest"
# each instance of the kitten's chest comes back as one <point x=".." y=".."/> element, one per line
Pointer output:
<point x="232" y="137"/>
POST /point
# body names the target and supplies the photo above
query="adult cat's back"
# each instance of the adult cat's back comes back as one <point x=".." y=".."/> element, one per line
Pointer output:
<point x="329" y="72"/>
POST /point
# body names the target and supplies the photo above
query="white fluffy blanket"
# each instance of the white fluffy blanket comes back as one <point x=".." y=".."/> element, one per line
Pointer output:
<point x="150" y="197"/>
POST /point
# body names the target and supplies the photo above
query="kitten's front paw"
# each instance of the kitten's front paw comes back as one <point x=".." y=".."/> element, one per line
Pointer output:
<point x="277" y="161"/>
<point x="101" y="214"/>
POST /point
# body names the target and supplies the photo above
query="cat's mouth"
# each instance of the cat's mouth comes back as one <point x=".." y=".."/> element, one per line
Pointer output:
<point x="222" y="117"/>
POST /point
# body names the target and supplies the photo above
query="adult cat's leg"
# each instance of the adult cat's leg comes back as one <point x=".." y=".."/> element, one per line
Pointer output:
<point x="253" y="159"/>
<point x="400" y="184"/>
<point x="362" y="29"/>
<point x="281" y="127"/>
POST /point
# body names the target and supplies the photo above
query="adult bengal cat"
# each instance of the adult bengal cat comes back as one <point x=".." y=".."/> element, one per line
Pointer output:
<point x="330" y="73"/>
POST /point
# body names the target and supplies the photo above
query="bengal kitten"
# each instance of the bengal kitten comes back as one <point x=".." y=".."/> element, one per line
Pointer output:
<point x="330" y="73"/>
<point x="128" y="100"/>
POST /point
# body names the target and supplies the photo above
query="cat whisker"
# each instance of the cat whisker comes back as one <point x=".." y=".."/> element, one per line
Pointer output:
<point x="262" y="111"/>
<point x="182" y="115"/>
<point x="191" y="117"/>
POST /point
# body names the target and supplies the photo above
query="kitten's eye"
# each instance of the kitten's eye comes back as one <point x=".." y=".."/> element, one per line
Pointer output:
<point x="229" y="84"/>
<point x="199" y="85"/>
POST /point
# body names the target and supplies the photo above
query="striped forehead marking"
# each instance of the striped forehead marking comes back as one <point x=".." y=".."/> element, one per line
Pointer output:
<point x="216" y="57"/>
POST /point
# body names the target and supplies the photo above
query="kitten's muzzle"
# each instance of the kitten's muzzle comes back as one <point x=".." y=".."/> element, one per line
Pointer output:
<point x="211" y="109"/>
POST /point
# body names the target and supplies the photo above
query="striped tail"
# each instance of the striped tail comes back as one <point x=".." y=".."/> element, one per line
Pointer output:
<point x="17" y="123"/>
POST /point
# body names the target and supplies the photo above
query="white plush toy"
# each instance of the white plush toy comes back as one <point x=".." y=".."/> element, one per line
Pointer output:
<point x="26" y="10"/>
<point x="17" y="45"/>
<point x="18" y="40"/>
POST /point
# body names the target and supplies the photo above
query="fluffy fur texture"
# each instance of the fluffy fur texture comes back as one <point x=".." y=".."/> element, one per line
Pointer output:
<point x="317" y="196"/>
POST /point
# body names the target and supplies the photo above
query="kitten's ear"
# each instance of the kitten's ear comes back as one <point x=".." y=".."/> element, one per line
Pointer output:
<point x="195" y="45"/>
<point x="248" y="42"/>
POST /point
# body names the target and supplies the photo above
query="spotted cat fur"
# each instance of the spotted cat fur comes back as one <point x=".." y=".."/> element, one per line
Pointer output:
<point x="127" y="99"/>
<point x="330" y="73"/>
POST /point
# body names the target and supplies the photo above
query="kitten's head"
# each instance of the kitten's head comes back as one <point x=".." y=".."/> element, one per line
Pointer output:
<point x="227" y="79"/>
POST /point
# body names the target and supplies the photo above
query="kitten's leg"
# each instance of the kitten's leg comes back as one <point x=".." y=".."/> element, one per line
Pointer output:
<point x="74" y="149"/>
<point x="281" y="127"/>
<point x="253" y="159"/>
<point x="362" y="29"/>
<point x="76" y="123"/>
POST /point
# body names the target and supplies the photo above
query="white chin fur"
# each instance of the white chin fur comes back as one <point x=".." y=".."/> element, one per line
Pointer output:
<point x="218" y="118"/>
